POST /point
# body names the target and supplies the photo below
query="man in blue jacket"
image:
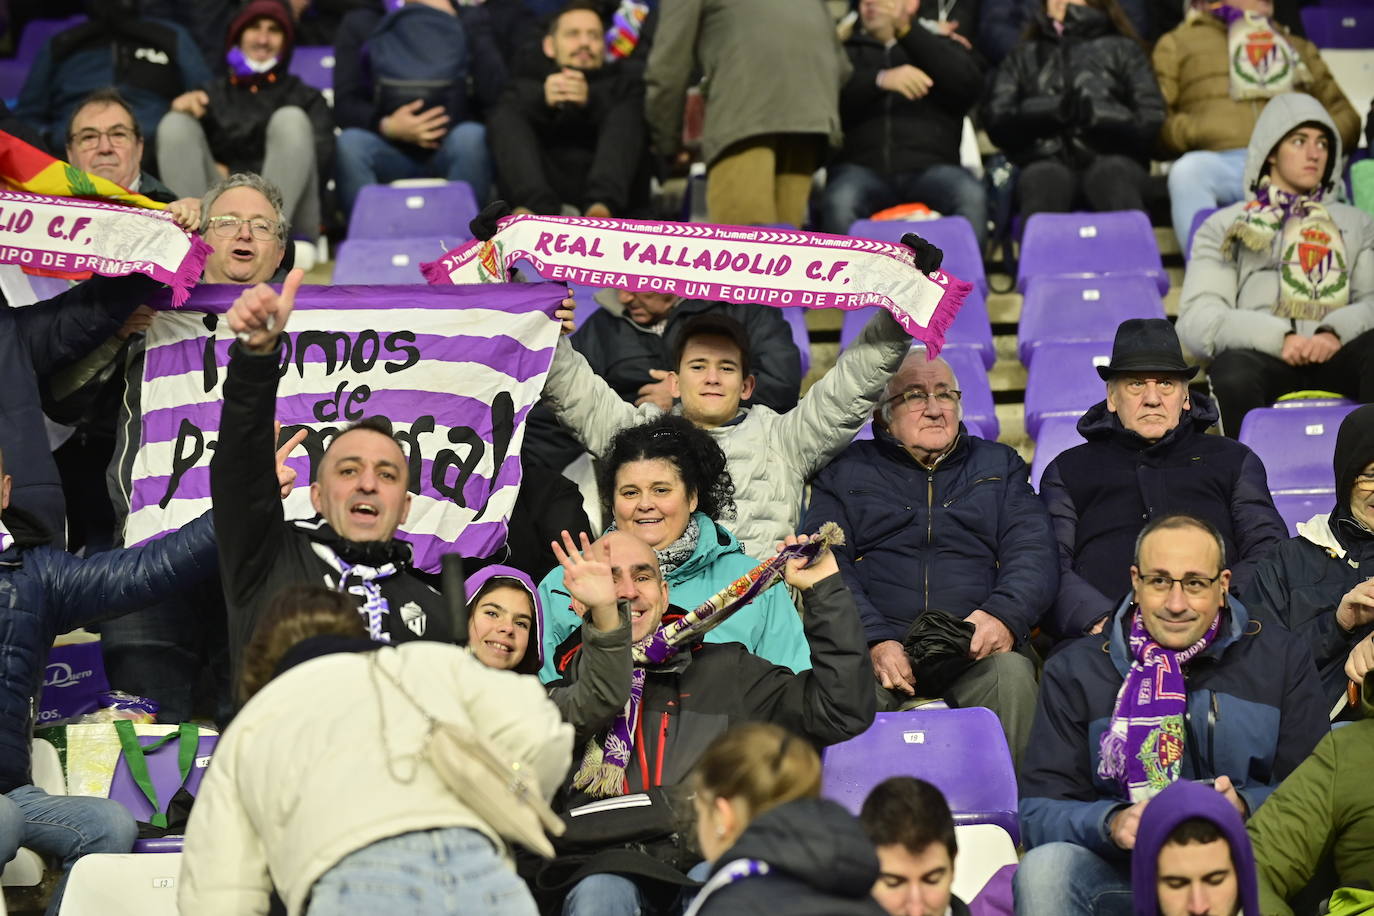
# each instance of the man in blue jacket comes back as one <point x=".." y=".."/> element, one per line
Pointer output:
<point x="941" y="527"/>
<point x="1184" y="684"/>
<point x="44" y="592"/>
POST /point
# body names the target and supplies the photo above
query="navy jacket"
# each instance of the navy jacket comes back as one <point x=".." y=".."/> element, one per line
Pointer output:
<point x="45" y="592"/>
<point x="1255" y="710"/>
<point x="1101" y="493"/>
<point x="36" y="341"/>
<point x="968" y="535"/>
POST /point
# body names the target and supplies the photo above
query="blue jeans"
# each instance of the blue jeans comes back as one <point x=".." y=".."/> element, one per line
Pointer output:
<point x="424" y="873"/>
<point x="66" y="826"/>
<point x="365" y="158"/>
<point x="616" y="895"/>
<point x="1203" y="180"/>
<point x="1065" y="879"/>
<point x="853" y="192"/>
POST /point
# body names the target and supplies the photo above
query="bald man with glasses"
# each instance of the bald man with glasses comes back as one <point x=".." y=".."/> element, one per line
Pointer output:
<point x="948" y="552"/>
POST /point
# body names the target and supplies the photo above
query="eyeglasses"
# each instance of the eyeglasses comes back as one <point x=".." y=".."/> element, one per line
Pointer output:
<point x="1192" y="585"/>
<point x="226" y="227"/>
<point x="89" y="139"/>
<point x="946" y="399"/>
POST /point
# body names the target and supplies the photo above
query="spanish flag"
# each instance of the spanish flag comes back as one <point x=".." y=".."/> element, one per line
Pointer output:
<point x="27" y="168"/>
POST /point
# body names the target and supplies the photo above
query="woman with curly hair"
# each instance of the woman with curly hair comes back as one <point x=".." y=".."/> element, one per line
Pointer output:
<point x="666" y="483"/>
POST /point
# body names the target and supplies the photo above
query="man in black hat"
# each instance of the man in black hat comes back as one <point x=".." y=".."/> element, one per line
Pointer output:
<point x="1147" y="455"/>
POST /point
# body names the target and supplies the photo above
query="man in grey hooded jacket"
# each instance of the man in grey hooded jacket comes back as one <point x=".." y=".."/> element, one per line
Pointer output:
<point x="1279" y="293"/>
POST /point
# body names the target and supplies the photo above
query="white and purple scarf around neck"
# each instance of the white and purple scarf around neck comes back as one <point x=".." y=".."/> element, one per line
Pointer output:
<point x="1142" y="749"/>
<point x="602" y="772"/>
<point x="365" y="582"/>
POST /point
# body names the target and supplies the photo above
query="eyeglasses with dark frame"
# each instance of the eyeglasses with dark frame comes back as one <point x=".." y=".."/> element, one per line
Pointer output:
<point x="89" y="138"/>
<point x="1194" y="585"/>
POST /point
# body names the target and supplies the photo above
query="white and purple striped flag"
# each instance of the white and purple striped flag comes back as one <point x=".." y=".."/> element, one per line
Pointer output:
<point x="455" y="369"/>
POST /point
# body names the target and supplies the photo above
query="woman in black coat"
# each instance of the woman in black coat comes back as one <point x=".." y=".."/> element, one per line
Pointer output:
<point x="1076" y="106"/>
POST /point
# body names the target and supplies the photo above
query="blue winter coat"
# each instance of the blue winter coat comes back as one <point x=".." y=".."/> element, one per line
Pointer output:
<point x="1255" y="710"/>
<point x="769" y="627"/>
<point x="968" y="535"/>
<point x="45" y="592"/>
<point x="1101" y="493"/>
<point x="36" y="341"/>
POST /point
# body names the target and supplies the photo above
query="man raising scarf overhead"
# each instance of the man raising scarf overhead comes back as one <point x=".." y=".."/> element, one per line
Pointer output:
<point x="645" y="715"/>
<point x="1280" y="289"/>
<point x="1183" y="684"/>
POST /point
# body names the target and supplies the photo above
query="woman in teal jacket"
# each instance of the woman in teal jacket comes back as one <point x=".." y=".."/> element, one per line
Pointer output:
<point x="666" y="483"/>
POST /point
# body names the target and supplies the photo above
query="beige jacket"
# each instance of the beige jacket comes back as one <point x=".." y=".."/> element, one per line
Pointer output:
<point x="303" y="777"/>
<point x="1191" y="65"/>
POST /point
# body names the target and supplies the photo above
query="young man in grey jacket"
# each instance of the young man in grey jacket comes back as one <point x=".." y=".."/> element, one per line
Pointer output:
<point x="1279" y="292"/>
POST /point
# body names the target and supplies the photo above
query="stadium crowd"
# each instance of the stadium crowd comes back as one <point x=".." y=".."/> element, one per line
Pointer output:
<point x="1181" y="685"/>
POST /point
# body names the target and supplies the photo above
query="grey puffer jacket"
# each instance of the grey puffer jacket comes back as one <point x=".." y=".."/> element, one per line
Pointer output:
<point x="770" y="455"/>
<point x="1228" y="302"/>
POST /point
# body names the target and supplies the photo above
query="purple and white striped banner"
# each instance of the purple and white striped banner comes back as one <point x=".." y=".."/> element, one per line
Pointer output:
<point x="746" y="264"/>
<point x="455" y="369"/>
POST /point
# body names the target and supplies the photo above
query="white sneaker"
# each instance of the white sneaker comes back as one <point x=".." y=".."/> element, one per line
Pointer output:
<point x="305" y="254"/>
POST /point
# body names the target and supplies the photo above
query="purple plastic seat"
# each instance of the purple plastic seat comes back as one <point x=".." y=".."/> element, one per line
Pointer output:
<point x="796" y="320"/>
<point x="15" y="70"/>
<point x="383" y="261"/>
<point x="1057" y="434"/>
<point x="1296" y="443"/>
<point x="314" y="64"/>
<point x="1062" y="381"/>
<point x="440" y="211"/>
<point x="963" y="752"/>
<point x="1069" y="309"/>
<point x="1339" y="26"/>
<point x="1090" y="244"/>
<point x="1199" y="218"/>
<point x="971" y="329"/>
<point x="163" y="772"/>
<point x="952" y="234"/>
<point x="1297" y="507"/>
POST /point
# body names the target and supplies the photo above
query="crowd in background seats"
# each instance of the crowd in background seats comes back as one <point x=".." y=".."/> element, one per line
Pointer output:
<point x="1165" y="662"/>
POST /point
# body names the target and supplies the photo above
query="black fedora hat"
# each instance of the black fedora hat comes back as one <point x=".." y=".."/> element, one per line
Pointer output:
<point x="1146" y="345"/>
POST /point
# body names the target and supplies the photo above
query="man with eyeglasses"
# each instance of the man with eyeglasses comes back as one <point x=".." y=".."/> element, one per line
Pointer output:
<point x="942" y="529"/>
<point x="1183" y="684"/>
<point x="1320" y="584"/>
<point x="1147" y="455"/>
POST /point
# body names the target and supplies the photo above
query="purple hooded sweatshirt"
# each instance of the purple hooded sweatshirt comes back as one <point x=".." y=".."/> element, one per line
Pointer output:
<point x="1180" y="802"/>
<point x="533" y="659"/>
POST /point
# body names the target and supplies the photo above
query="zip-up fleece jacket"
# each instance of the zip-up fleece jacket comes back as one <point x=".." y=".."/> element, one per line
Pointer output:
<point x="965" y="535"/>
<point x="1255" y="710"/>
<point x="261" y="552"/>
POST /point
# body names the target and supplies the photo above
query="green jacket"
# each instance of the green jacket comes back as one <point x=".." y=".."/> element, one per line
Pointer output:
<point x="1325" y="806"/>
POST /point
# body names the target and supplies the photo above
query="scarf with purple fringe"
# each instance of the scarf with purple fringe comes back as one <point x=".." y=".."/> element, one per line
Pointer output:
<point x="602" y="772"/>
<point x="1314" y="274"/>
<point x="1142" y="749"/>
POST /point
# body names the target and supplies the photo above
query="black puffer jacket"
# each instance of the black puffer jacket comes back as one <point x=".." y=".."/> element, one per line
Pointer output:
<point x="1101" y="493"/>
<point x="1303" y="581"/>
<point x="889" y="133"/>
<point x="819" y="861"/>
<point x="45" y="591"/>
<point x="1088" y="92"/>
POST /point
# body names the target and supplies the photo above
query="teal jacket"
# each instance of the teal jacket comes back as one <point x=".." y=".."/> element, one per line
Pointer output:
<point x="769" y="627"/>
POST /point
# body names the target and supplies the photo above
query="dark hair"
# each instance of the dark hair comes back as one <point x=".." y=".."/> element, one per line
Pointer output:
<point x="109" y="95"/>
<point x="295" y="613"/>
<point x="760" y="764"/>
<point x="375" y="423"/>
<point x="1177" y="522"/>
<point x="573" y="6"/>
<point x="715" y="324"/>
<point x="1120" y="21"/>
<point x="692" y="451"/>
<point x="1195" y="830"/>
<point x="908" y="812"/>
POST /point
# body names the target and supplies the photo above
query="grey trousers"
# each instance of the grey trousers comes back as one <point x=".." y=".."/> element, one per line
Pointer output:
<point x="188" y="166"/>
<point x="1004" y="683"/>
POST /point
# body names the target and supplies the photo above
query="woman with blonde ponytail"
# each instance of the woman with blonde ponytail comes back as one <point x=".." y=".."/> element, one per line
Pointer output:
<point x="772" y="841"/>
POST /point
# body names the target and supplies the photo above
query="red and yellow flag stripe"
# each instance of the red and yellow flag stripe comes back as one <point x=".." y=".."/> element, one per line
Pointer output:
<point x="27" y="168"/>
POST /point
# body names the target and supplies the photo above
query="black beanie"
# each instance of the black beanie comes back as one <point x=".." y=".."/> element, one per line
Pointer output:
<point x="1354" y="450"/>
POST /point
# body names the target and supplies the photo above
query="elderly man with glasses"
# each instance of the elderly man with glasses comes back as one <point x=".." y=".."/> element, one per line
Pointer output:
<point x="947" y="550"/>
<point x="1148" y="455"/>
<point x="1183" y="683"/>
